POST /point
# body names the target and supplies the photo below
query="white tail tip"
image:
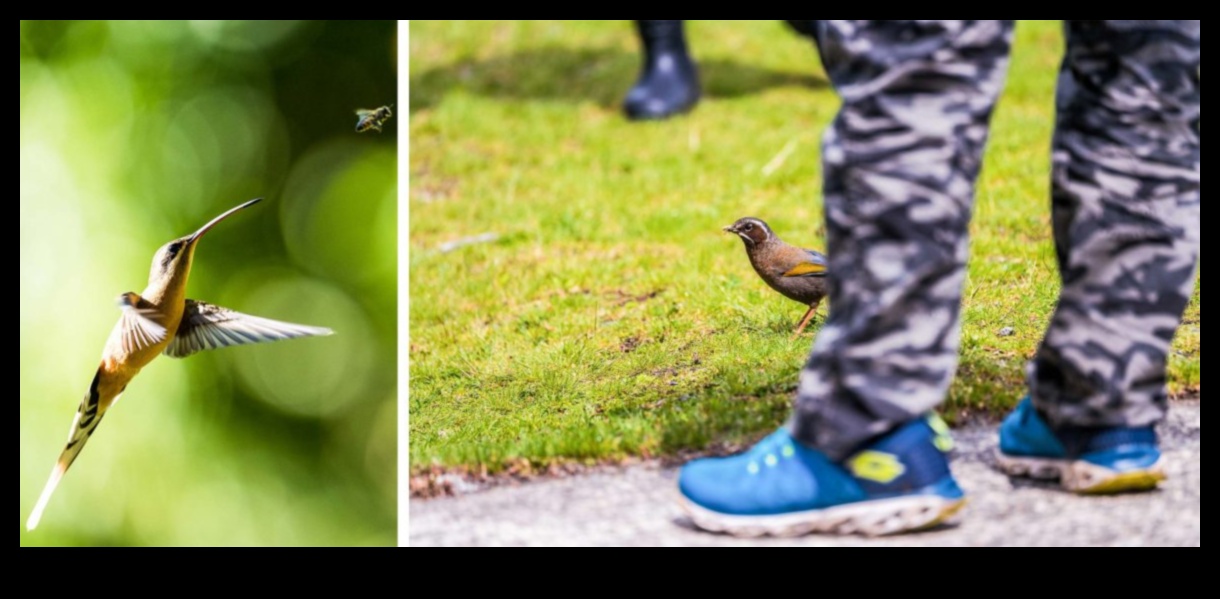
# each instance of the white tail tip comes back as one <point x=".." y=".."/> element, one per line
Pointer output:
<point x="35" y="516"/>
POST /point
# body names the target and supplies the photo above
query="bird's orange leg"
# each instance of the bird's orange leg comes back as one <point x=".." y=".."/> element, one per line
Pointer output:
<point x="813" y="308"/>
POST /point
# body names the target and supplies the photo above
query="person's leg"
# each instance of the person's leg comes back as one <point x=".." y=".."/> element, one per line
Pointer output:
<point x="1125" y="190"/>
<point x="1125" y="200"/>
<point x="669" y="82"/>
<point x="900" y="162"/>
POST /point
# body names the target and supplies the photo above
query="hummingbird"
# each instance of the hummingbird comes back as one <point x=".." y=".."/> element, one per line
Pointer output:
<point x="160" y="320"/>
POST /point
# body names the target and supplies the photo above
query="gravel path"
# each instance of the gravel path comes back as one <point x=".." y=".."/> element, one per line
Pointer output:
<point x="635" y="506"/>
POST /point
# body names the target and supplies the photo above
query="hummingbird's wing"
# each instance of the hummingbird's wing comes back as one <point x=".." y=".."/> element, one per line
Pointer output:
<point x="207" y="326"/>
<point x="137" y="329"/>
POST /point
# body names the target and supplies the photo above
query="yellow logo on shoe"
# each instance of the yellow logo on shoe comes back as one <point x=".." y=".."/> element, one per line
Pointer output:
<point x="876" y="466"/>
<point x="943" y="440"/>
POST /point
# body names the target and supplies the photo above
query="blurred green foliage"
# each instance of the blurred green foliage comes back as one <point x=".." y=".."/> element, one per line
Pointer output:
<point x="134" y="133"/>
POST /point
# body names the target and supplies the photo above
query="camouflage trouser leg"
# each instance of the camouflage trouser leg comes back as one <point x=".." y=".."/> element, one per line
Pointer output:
<point x="1126" y="219"/>
<point x="900" y="162"/>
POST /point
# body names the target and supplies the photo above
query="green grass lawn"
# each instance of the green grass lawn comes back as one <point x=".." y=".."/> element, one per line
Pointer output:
<point x="611" y="317"/>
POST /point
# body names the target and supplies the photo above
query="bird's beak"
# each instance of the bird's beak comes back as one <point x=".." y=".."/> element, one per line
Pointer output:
<point x="212" y="223"/>
<point x="729" y="229"/>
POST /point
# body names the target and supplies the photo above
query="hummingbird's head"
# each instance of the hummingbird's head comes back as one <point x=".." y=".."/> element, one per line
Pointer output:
<point x="172" y="257"/>
<point x="172" y="262"/>
<point x="752" y="231"/>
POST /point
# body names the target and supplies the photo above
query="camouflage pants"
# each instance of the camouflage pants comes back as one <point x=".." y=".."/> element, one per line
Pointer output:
<point x="900" y="163"/>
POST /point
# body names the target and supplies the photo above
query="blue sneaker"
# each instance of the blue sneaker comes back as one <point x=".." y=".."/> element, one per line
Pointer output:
<point x="783" y="488"/>
<point x="1085" y="460"/>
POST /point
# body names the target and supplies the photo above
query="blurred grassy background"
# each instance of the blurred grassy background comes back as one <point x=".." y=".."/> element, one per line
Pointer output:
<point x="612" y="317"/>
<point x="134" y="133"/>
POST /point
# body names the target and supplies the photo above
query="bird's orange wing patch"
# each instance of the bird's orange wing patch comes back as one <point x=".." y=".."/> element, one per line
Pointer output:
<point x="805" y="268"/>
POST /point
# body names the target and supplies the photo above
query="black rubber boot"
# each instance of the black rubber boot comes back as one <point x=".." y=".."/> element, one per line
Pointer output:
<point x="669" y="82"/>
<point x="808" y="29"/>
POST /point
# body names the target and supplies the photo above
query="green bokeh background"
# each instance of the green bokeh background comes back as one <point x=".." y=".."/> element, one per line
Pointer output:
<point x="134" y="133"/>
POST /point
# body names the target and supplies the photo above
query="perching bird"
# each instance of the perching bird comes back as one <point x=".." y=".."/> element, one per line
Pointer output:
<point x="160" y="320"/>
<point x="799" y="274"/>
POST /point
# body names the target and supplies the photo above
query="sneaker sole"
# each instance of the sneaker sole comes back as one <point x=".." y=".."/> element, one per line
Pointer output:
<point x="870" y="518"/>
<point x="1079" y="476"/>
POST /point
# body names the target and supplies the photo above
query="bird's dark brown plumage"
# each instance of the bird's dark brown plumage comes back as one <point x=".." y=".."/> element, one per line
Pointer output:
<point x="797" y="273"/>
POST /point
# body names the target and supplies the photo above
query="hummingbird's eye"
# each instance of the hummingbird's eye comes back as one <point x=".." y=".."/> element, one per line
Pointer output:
<point x="171" y="251"/>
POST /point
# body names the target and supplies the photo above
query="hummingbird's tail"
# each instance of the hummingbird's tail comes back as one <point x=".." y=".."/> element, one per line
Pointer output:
<point x="88" y="415"/>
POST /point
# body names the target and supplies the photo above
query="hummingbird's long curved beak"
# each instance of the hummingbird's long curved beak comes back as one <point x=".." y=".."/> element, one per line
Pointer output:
<point x="204" y="229"/>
